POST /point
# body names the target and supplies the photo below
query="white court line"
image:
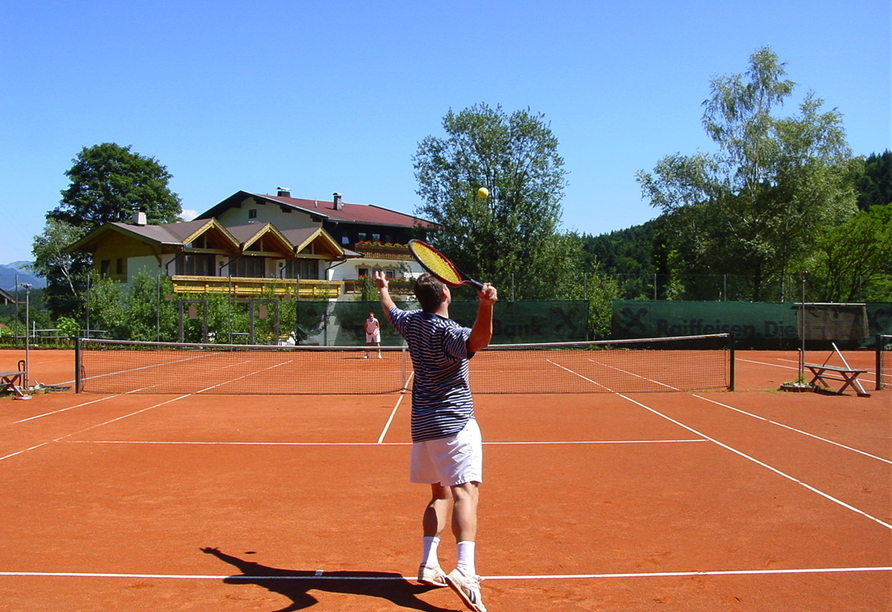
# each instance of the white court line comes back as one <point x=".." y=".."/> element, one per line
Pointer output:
<point x="379" y="443"/>
<point x="744" y="455"/>
<point x="149" y="366"/>
<point x="773" y="365"/>
<point x="46" y="414"/>
<point x="650" y="380"/>
<point x="74" y="433"/>
<point x="765" y="465"/>
<point x="320" y="575"/>
<point x="232" y="380"/>
<point x="393" y="412"/>
<point x="799" y="431"/>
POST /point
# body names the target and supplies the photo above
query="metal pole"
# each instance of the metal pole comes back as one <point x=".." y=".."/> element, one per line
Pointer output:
<point x="803" y="275"/>
<point x="27" y="332"/>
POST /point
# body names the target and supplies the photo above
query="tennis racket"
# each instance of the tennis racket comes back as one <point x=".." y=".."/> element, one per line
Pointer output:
<point x="439" y="265"/>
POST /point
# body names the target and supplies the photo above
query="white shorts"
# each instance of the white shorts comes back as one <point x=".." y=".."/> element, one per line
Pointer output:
<point x="376" y="337"/>
<point x="449" y="461"/>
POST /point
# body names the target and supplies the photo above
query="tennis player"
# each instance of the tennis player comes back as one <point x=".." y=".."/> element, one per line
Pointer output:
<point x="447" y="448"/>
<point x="372" y="334"/>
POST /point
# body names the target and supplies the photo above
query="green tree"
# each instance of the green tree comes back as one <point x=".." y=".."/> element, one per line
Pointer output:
<point x="109" y="183"/>
<point x="106" y="308"/>
<point x="756" y="206"/>
<point x="854" y="256"/>
<point x="503" y="238"/>
<point x="66" y="273"/>
<point x="874" y="181"/>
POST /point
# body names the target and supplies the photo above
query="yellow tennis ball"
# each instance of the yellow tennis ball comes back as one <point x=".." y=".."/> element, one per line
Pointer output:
<point x="483" y="192"/>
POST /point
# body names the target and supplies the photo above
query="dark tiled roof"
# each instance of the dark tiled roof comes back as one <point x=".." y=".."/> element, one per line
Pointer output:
<point x="368" y="214"/>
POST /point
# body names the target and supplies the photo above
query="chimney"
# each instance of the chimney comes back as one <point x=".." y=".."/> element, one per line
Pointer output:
<point x="139" y="218"/>
<point x="283" y="192"/>
<point x="338" y="201"/>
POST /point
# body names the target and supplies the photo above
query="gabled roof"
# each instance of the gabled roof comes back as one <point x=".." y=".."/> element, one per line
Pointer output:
<point x="171" y="237"/>
<point x="167" y="234"/>
<point x="248" y="235"/>
<point x="303" y="237"/>
<point x="6" y="297"/>
<point x="368" y="214"/>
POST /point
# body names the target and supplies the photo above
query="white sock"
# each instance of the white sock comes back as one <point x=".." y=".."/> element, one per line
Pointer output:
<point x="429" y="551"/>
<point x="466" y="558"/>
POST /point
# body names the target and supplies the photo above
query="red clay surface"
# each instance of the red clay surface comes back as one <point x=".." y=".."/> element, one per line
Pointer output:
<point x="756" y="500"/>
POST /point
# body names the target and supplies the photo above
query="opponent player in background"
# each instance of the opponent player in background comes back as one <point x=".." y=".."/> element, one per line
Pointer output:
<point x="447" y="448"/>
<point x="372" y="334"/>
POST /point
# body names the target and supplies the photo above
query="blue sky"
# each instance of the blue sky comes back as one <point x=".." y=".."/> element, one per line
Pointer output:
<point x="335" y="96"/>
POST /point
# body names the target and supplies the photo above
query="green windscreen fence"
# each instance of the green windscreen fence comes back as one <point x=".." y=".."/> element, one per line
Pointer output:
<point x="758" y="324"/>
<point x="341" y="323"/>
<point x="325" y="323"/>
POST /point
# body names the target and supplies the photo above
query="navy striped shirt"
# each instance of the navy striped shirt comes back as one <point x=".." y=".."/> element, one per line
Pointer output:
<point x="441" y="395"/>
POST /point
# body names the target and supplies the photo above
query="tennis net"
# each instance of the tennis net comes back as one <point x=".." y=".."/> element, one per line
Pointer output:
<point x="641" y="365"/>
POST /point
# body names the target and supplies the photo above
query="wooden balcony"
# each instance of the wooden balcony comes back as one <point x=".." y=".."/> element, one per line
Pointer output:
<point x="257" y="287"/>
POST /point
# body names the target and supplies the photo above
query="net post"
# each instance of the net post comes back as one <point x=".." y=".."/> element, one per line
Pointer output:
<point x="403" y="358"/>
<point x="732" y="371"/>
<point x="77" y="365"/>
<point x="879" y="362"/>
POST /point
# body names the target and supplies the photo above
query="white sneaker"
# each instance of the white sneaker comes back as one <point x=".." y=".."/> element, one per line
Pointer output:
<point x="431" y="576"/>
<point x="379" y="356"/>
<point x="468" y="588"/>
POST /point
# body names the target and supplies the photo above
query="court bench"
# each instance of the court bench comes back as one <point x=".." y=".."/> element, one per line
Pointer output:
<point x="847" y="376"/>
<point x="13" y="381"/>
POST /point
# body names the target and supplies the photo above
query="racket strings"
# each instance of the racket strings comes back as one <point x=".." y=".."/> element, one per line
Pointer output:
<point x="435" y="263"/>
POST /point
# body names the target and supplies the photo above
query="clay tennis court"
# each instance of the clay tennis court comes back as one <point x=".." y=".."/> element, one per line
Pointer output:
<point x="673" y="501"/>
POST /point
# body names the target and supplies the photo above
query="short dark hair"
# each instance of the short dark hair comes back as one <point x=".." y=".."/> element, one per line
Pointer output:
<point x="429" y="292"/>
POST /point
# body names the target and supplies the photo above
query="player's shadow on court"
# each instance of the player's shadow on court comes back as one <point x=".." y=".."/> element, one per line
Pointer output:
<point x="296" y="584"/>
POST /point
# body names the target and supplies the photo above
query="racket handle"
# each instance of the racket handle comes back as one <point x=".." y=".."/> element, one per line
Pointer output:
<point x="476" y="285"/>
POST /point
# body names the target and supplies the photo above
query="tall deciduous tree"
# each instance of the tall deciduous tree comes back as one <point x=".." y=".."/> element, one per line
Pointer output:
<point x="756" y="206"/>
<point x="110" y="183"/>
<point x="505" y="237"/>
<point x="66" y="273"/>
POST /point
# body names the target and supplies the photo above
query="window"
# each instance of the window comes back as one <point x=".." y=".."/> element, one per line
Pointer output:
<point x="252" y="214"/>
<point x="303" y="268"/>
<point x="362" y="272"/>
<point x="119" y="266"/>
<point x="345" y="240"/>
<point x="361" y="237"/>
<point x="249" y="267"/>
<point x="105" y="267"/>
<point x="376" y="237"/>
<point x="192" y="264"/>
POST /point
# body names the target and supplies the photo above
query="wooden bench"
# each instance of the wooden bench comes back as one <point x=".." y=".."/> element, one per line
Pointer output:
<point x="13" y="381"/>
<point x="847" y="376"/>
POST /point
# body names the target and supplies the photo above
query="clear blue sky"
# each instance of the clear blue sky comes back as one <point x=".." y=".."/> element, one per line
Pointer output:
<point x="336" y="95"/>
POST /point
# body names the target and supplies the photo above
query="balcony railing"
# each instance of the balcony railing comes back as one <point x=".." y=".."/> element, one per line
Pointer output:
<point x="254" y="287"/>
